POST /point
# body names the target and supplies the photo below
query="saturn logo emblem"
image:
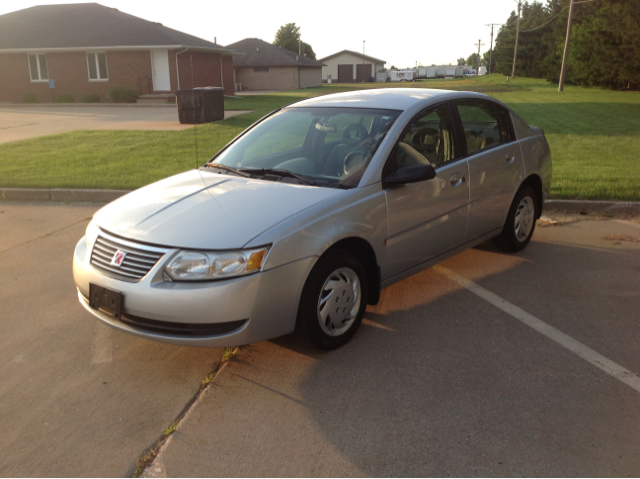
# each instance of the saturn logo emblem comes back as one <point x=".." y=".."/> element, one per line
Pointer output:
<point x="118" y="258"/>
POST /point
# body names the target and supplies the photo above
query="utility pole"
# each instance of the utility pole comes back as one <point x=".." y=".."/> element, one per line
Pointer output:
<point x="515" y="50"/>
<point x="479" y="44"/>
<point x="299" y="46"/>
<point x="563" y="72"/>
<point x="491" y="51"/>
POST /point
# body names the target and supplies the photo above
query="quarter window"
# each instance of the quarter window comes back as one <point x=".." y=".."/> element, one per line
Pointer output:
<point x="97" y="64"/>
<point x="38" y="67"/>
<point x="485" y="125"/>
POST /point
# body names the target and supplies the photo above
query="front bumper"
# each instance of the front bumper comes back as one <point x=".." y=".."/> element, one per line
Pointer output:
<point x="256" y="307"/>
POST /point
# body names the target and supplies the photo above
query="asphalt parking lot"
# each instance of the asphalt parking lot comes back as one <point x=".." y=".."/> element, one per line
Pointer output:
<point x="449" y="375"/>
<point x="21" y="122"/>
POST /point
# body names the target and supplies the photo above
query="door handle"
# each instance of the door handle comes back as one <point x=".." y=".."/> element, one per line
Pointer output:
<point x="456" y="179"/>
<point x="510" y="158"/>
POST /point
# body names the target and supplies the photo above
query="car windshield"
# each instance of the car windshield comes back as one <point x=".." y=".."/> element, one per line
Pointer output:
<point x="324" y="146"/>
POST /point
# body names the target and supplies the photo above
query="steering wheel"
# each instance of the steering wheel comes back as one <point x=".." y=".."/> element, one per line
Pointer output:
<point x="354" y="161"/>
<point x="354" y="127"/>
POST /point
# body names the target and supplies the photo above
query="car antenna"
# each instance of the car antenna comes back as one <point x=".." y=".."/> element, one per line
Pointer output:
<point x="193" y="98"/>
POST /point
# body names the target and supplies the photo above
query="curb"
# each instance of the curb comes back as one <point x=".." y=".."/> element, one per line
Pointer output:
<point x="72" y="195"/>
<point x="87" y="105"/>
<point x="576" y="206"/>
<point x="60" y="195"/>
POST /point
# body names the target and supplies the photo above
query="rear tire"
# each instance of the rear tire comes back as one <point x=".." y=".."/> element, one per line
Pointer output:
<point x="333" y="301"/>
<point x="521" y="222"/>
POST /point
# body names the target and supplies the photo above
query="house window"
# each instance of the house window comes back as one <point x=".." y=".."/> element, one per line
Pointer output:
<point x="261" y="69"/>
<point x="38" y="67"/>
<point x="97" y="64"/>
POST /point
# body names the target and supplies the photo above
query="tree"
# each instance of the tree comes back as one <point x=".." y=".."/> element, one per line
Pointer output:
<point x="288" y="36"/>
<point x="472" y="59"/>
<point x="461" y="62"/>
<point x="604" y="49"/>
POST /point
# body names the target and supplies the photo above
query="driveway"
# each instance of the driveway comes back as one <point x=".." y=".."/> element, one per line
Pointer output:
<point x="22" y="122"/>
<point x="486" y="365"/>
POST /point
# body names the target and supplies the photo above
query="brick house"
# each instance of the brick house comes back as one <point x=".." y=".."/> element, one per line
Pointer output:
<point x="89" y="48"/>
<point x="264" y="66"/>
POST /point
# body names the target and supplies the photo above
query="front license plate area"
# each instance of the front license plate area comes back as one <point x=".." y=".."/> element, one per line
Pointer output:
<point x="106" y="299"/>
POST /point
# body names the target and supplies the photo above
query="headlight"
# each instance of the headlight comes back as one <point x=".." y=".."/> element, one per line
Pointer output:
<point x="203" y="265"/>
<point x="91" y="235"/>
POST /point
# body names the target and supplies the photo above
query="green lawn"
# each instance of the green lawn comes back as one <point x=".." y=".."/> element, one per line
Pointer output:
<point x="594" y="137"/>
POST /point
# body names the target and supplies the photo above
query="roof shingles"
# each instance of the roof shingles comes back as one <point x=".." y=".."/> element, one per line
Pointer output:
<point x="258" y="53"/>
<point x="88" y="25"/>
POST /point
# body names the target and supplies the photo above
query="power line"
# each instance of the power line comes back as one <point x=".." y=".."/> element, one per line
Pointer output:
<point x="545" y="23"/>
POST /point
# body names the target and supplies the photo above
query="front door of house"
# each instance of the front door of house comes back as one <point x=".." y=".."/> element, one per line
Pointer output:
<point x="160" y="69"/>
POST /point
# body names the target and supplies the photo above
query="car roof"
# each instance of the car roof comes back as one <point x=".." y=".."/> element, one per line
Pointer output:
<point x="387" y="98"/>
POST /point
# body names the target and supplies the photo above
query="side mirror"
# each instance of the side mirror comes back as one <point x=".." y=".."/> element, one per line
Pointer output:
<point x="409" y="174"/>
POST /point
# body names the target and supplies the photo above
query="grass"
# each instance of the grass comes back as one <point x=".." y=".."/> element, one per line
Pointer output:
<point x="594" y="137"/>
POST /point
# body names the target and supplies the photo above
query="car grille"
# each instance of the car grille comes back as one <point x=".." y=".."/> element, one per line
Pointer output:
<point x="138" y="260"/>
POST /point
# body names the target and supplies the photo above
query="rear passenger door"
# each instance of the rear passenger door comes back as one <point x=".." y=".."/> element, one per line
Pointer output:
<point x="495" y="164"/>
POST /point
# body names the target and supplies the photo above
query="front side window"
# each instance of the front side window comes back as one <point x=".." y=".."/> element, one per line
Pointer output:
<point x="428" y="139"/>
<point x="97" y="65"/>
<point x="38" y="67"/>
<point x="331" y="146"/>
<point x="485" y="124"/>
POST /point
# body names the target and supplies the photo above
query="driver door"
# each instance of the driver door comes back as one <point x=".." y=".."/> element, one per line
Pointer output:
<point x="428" y="218"/>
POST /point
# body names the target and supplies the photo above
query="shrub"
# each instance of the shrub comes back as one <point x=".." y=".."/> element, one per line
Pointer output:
<point x="119" y="94"/>
<point x="90" y="98"/>
<point x="63" y="98"/>
<point x="29" y="97"/>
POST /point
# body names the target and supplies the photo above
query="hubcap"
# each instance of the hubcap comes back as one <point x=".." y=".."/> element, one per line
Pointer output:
<point x="339" y="301"/>
<point x="525" y="217"/>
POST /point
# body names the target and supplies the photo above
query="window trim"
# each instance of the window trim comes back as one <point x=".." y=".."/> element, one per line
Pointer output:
<point x="97" y="65"/>
<point x="460" y="126"/>
<point x="37" y="55"/>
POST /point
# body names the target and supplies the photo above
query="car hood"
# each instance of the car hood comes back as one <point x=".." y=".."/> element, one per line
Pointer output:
<point x="205" y="210"/>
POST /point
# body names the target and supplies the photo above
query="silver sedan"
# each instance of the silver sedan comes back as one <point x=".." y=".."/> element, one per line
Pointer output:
<point x="300" y="221"/>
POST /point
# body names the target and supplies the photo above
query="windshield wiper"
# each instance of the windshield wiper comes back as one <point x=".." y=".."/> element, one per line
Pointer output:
<point x="226" y="168"/>
<point x="276" y="171"/>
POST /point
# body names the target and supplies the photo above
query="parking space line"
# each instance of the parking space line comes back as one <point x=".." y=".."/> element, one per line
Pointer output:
<point x="576" y="347"/>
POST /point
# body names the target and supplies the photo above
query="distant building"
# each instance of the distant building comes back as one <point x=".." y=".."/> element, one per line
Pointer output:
<point x="348" y="66"/>
<point x="89" y="48"/>
<point x="267" y="67"/>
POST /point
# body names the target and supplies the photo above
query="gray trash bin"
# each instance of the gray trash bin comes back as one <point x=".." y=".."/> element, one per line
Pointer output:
<point x="200" y="105"/>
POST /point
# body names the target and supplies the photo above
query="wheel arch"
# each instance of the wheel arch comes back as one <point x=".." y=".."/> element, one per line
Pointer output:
<point x="363" y="250"/>
<point x="534" y="181"/>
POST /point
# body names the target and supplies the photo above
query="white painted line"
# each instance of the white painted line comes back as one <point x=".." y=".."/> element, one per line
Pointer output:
<point x="627" y="222"/>
<point x="101" y="346"/>
<point x="576" y="347"/>
<point x="369" y="322"/>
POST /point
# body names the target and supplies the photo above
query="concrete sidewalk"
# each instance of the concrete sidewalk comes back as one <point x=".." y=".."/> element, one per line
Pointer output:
<point x="19" y="122"/>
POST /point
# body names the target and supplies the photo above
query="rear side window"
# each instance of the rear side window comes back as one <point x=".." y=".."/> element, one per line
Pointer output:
<point x="485" y="125"/>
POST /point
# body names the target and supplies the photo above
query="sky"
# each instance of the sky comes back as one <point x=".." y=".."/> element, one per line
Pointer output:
<point x="399" y="32"/>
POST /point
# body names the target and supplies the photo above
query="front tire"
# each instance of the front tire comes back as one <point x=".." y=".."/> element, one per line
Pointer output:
<point x="521" y="222"/>
<point x="333" y="301"/>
